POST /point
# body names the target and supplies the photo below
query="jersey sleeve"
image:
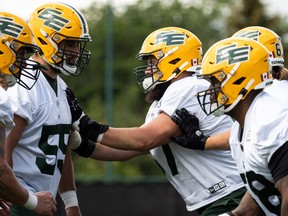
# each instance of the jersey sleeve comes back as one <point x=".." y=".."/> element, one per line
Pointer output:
<point x="21" y="102"/>
<point x="179" y="95"/>
<point x="184" y="94"/>
<point x="6" y="114"/>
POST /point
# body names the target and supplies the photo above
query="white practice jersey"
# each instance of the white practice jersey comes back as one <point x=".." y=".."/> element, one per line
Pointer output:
<point x="279" y="90"/>
<point x="39" y="156"/>
<point x="265" y="130"/>
<point x="201" y="177"/>
<point x="6" y="114"/>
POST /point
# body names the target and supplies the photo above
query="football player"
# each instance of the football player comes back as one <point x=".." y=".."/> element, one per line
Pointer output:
<point x="37" y="145"/>
<point x="208" y="181"/>
<point x="17" y="44"/>
<point x="272" y="42"/>
<point x="258" y="138"/>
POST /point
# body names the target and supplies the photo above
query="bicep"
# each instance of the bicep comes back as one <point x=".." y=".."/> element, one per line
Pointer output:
<point x="14" y="137"/>
<point x="162" y="128"/>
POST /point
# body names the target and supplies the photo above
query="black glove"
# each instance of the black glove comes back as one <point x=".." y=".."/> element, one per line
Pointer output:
<point x="81" y="145"/>
<point x="91" y="129"/>
<point x="193" y="138"/>
<point x="75" y="108"/>
<point x="86" y="148"/>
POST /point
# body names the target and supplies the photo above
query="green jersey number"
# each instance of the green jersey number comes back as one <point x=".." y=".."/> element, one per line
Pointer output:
<point x="50" y="130"/>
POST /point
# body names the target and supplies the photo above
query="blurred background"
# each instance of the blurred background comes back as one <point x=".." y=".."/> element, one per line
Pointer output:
<point x="108" y="93"/>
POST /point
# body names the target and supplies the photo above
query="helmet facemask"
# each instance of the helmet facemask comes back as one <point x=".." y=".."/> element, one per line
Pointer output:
<point x="29" y="68"/>
<point x="23" y="69"/>
<point x="148" y="75"/>
<point x="70" y="61"/>
<point x="209" y="99"/>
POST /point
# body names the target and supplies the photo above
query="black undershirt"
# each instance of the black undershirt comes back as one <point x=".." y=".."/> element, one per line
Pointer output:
<point x="52" y="82"/>
<point x="278" y="163"/>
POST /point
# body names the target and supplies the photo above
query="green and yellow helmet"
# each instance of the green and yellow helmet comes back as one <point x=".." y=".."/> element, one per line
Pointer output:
<point x="234" y="67"/>
<point x="268" y="38"/>
<point x="176" y="50"/>
<point x="53" y="23"/>
<point x="16" y="47"/>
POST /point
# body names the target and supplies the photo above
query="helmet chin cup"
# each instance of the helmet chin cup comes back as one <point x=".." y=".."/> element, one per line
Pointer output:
<point x="148" y="84"/>
<point x="217" y="110"/>
<point x="10" y="79"/>
<point x="69" y="69"/>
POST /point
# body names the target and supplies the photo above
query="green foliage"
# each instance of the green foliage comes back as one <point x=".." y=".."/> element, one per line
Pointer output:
<point x="112" y="63"/>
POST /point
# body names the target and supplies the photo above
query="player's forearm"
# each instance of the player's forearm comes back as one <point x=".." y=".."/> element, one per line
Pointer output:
<point x="67" y="178"/>
<point x="11" y="190"/>
<point x="218" y="142"/>
<point x="105" y="153"/>
<point x="128" y="139"/>
<point x="247" y="207"/>
<point x="282" y="186"/>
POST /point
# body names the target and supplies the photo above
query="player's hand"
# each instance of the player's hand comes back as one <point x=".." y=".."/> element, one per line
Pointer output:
<point x="193" y="138"/>
<point x="91" y="129"/>
<point x="4" y="208"/>
<point x="46" y="204"/>
<point x="82" y="146"/>
<point x="75" y="108"/>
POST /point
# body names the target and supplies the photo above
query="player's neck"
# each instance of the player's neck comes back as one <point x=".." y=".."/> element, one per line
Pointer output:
<point x="49" y="71"/>
<point x="240" y="110"/>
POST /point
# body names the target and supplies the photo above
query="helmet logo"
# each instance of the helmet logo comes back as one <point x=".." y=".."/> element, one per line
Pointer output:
<point x="232" y="54"/>
<point x="254" y="35"/>
<point x="8" y="27"/>
<point x="53" y="19"/>
<point x="170" y="38"/>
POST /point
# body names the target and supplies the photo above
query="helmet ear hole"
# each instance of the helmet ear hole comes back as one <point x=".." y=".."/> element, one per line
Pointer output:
<point x="239" y="81"/>
<point x="175" y="61"/>
<point x="41" y="41"/>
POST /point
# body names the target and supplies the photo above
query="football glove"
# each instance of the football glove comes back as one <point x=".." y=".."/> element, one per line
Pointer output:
<point x="81" y="145"/>
<point x="193" y="138"/>
<point x="91" y="129"/>
<point x="75" y="108"/>
<point x="82" y="123"/>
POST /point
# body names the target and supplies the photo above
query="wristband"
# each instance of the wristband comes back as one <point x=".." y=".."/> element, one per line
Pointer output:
<point x="31" y="202"/>
<point x="227" y="214"/>
<point x="100" y="137"/>
<point x="69" y="198"/>
<point x="86" y="148"/>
